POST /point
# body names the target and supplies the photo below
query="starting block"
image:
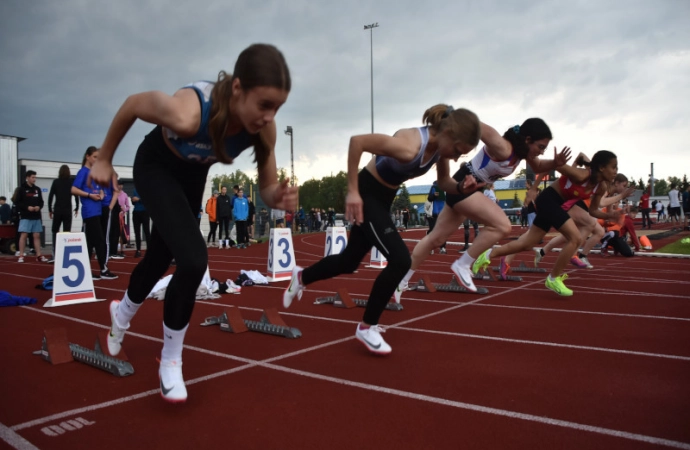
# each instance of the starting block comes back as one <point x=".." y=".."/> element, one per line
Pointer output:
<point x="425" y="285"/>
<point x="488" y="275"/>
<point x="57" y="350"/>
<point x="523" y="268"/>
<point x="270" y="323"/>
<point x="343" y="300"/>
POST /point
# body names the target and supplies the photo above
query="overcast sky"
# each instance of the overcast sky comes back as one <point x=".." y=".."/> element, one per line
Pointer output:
<point x="603" y="74"/>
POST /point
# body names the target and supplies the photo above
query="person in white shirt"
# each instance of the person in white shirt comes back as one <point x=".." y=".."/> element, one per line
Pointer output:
<point x="674" y="205"/>
<point x="489" y="192"/>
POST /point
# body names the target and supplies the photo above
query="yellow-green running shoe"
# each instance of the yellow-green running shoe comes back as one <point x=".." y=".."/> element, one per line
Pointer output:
<point x="557" y="285"/>
<point x="481" y="263"/>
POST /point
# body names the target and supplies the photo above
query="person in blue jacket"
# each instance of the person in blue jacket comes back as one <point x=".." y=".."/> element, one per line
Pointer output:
<point x="240" y="212"/>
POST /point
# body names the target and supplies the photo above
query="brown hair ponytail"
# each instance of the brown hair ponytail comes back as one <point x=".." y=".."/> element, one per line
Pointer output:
<point x="460" y="124"/>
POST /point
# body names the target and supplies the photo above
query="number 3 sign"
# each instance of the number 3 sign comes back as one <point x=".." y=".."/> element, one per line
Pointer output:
<point x="281" y="255"/>
<point x="72" y="282"/>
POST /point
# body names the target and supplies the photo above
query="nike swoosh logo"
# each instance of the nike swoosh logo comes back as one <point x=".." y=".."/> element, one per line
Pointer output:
<point x="168" y="336"/>
<point x="164" y="390"/>
<point x="372" y="345"/>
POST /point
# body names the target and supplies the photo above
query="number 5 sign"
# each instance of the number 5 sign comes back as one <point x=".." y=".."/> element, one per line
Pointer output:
<point x="72" y="282"/>
<point x="281" y="255"/>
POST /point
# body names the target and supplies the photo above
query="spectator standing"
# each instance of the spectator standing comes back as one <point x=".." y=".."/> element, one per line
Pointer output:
<point x="674" y="205"/>
<point x="5" y="211"/>
<point x="645" y="209"/>
<point x="142" y="221"/>
<point x="250" y="218"/>
<point x="240" y="208"/>
<point x="223" y="213"/>
<point x="30" y="202"/>
<point x="211" y="208"/>
<point x="278" y="216"/>
<point x="61" y="213"/>
<point x="125" y="207"/>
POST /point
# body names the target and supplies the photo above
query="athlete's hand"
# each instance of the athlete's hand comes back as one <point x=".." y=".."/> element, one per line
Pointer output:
<point x="354" y="211"/>
<point x="102" y="173"/>
<point x="285" y="196"/>
<point x="628" y="192"/>
<point x="561" y="158"/>
<point x="614" y="216"/>
<point x="470" y="184"/>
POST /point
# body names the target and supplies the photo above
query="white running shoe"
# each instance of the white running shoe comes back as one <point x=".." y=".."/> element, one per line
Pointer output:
<point x="402" y="287"/>
<point x="294" y="289"/>
<point x="586" y="262"/>
<point x="537" y="257"/>
<point x="117" y="334"/>
<point x="372" y="340"/>
<point x="464" y="275"/>
<point x="173" y="389"/>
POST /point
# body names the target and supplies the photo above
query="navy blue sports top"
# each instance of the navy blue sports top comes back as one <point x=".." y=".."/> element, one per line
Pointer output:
<point x="396" y="173"/>
<point x="199" y="148"/>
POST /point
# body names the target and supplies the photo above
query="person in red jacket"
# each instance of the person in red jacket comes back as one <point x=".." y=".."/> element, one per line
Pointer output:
<point x="645" y="209"/>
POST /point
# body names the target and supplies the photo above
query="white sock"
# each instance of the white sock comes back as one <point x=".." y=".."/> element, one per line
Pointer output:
<point x="172" y="344"/>
<point x="466" y="260"/>
<point x="408" y="275"/>
<point x="125" y="311"/>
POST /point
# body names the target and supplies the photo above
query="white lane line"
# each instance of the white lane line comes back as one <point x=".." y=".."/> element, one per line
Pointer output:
<point x="14" y="440"/>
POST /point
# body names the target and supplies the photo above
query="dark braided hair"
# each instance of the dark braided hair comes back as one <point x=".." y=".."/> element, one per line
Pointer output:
<point x="535" y="129"/>
<point x="600" y="159"/>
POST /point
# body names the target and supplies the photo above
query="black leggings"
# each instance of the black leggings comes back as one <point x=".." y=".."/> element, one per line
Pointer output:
<point x="223" y="222"/>
<point x="110" y="224"/>
<point x="64" y="219"/>
<point x="172" y="190"/>
<point x="141" y="221"/>
<point x="212" y="232"/>
<point x="242" y="236"/>
<point x="95" y="239"/>
<point x="377" y="230"/>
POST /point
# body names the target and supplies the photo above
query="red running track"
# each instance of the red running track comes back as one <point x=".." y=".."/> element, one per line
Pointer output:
<point x="518" y="368"/>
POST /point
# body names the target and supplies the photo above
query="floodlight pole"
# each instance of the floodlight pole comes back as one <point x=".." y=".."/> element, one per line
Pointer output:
<point x="371" y="42"/>
<point x="288" y="131"/>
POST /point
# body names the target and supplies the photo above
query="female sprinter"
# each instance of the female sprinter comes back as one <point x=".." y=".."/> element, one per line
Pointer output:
<point x="576" y="183"/>
<point x="200" y="124"/>
<point x="499" y="158"/>
<point x="409" y="153"/>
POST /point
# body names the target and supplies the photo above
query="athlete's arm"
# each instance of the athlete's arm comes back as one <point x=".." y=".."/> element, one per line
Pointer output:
<point x="404" y="146"/>
<point x="594" y="206"/>
<point x="180" y="112"/>
<point x="498" y="148"/>
<point x="559" y="159"/>
<point x="575" y="174"/>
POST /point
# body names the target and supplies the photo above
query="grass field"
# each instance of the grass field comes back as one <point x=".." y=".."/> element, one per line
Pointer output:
<point x="680" y="247"/>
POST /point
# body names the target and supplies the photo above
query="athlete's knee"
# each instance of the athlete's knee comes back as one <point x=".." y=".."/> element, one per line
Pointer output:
<point x="401" y="261"/>
<point x="504" y="227"/>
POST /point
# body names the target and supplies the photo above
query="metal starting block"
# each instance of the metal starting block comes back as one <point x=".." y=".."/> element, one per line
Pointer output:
<point x="425" y="285"/>
<point x="523" y="268"/>
<point x="489" y="275"/>
<point x="270" y="323"/>
<point x="343" y="300"/>
<point x="56" y="350"/>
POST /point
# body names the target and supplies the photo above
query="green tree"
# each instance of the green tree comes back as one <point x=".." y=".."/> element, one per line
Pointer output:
<point x="516" y="202"/>
<point x="309" y="193"/>
<point x="677" y="182"/>
<point x="521" y="174"/>
<point x="684" y="183"/>
<point x="333" y="192"/>
<point x="661" y="187"/>
<point x="641" y="185"/>
<point x="231" y="179"/>
<point x="402" y="201"/>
